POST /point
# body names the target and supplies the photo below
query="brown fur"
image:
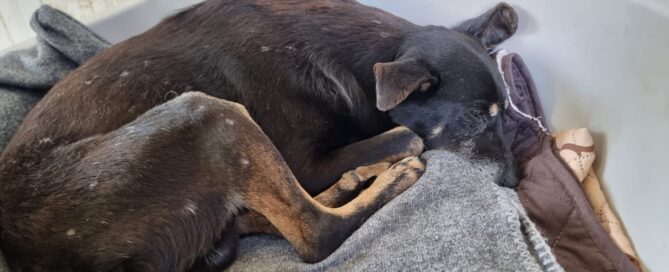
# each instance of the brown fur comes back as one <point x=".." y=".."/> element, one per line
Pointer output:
<point x="162" y="193"/>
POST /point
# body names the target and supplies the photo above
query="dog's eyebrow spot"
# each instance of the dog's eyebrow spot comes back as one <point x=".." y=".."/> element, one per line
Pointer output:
<point x="71" y="232"/>
<point x="494" y="109"/>
<point x="190" y="207"/>
<point x="437" y="130"/>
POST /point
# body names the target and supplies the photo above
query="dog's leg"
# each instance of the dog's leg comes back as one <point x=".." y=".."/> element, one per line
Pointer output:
<point x="316" y="230"/>
<point x="158" y="193"/>
<point x="390" y="146"/>
<point x="350" y="184"/>
<point x="234" y="156"/>
<point x="344" y="190"/>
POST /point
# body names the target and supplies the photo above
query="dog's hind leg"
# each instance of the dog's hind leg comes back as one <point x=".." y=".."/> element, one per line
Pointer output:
<point x="314" y="229"/>
<point x="350" y="184"/>
<point x="233" y="148"/>
<point x="343" y="191"/>
<point x="233" y="155"/>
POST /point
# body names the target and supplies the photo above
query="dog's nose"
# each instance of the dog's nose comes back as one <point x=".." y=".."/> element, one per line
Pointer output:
<point x="509" y="177"/>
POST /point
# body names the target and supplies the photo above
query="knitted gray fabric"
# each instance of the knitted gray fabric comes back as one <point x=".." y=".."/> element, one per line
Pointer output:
<point x="454" y="219"/>
<point x="62" y="44"/>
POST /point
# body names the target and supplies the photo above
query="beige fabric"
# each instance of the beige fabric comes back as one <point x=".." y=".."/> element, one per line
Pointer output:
<point x="576" y="148"/>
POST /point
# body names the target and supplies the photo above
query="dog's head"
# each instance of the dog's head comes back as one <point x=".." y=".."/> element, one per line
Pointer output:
<point x="446" y="87"/>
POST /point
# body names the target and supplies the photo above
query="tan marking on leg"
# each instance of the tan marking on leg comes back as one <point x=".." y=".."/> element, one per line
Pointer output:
<point x="388" y="184"/>
<point x="494" y="109"/>
<point x="350" y="184"/>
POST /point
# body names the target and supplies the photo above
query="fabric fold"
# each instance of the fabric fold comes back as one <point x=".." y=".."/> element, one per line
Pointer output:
<point x="62" y="44"/>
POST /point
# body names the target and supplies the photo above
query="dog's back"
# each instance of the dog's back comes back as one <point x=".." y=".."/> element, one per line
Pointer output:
<point x="296" y="65"/>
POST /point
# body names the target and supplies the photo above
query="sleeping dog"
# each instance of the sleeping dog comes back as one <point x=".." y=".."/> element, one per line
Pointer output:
<point x="123" y="167"/>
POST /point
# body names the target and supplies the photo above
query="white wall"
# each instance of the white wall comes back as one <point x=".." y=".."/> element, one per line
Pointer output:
<point x="15" y="15"/>
<point x="602" y="64"/>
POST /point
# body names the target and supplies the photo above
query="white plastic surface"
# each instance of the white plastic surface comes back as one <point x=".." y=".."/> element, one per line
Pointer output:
<point x="602" y="64"/>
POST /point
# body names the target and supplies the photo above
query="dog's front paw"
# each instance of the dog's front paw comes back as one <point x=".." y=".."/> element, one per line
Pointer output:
<point x="406" y="142"/>
<point x="403" y="174"/>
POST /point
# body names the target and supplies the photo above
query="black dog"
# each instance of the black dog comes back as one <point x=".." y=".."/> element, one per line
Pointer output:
<point x="321" y="76"/>
<point x="105" y="174"/>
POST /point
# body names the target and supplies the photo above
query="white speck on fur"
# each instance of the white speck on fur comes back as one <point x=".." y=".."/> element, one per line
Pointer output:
<point x="376" y="22"/>
<point x="146" y="63"/>
<point x="190" y="207"/>
<point x="125" y="74"/>
<point x="244" y="161"/>
<point x="88" y="82"/>
<point x="129" y="241"/>
<point x="264" y="49"/>
<point x="93" y="184"/>
<point x="384" y="34"/>
<point x="437" y="130"/>
<point x="229" y="121"/>
<point x="425" y="86"/>
<point x="71" y="232"/>
<point x="290" y="48"/>
<point x="45" y="141"/>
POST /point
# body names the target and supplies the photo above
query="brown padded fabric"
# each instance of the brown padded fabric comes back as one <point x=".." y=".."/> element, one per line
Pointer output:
<point x="548" y="190"/>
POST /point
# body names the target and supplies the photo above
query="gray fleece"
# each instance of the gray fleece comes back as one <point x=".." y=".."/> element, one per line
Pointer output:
<point x="62" y="44"/>
<point x="454" y="219"/>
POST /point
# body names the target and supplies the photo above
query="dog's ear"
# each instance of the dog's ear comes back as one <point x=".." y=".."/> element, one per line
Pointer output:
<point x="396" y="80"/>
<point x="493" y="27"/>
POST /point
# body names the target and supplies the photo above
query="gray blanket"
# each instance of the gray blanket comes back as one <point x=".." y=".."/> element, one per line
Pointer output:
<point x="62" y="44"/>
<point x="453" y="219"/>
